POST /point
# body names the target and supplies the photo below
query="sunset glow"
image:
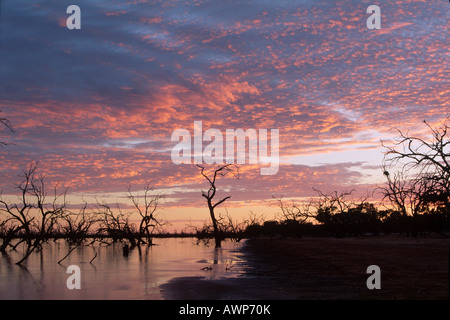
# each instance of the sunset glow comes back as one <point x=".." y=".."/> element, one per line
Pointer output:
<point x="96" y="107"/>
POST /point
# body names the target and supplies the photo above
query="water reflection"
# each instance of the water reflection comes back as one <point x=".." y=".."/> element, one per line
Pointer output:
<point x="112" y="272"/>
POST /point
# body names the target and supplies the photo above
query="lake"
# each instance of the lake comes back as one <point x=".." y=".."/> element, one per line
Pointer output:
<point x="111" y="275"/>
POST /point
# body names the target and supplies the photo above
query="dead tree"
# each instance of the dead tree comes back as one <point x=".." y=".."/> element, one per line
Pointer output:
<point x="423" y="180"/>
<point x="209" y="195"/>
<point x="49" y="213"/>
<point x="8" y="232"/>
<point x="34" y="217"/>
<point x="404" y="193"/>
<point x="420" y="153"/>
<point x="294" y="211"/>
<point x="115" y="225"/>
<point x="75" y="228"/>
<point x="232" y="227"/>
<point x="147" y="211"/>
<point x="331" y="204"/>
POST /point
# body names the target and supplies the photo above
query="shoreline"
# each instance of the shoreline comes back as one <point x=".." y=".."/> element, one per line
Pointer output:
<point x="327" y="269"/>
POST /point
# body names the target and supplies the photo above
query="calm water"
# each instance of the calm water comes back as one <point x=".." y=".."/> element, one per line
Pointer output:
<point x="111" y="275"/>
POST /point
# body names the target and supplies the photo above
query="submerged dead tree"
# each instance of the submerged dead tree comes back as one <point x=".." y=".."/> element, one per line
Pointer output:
<point x="118" y="225"/>
<point x="35" y="216"/>
<point x="147" y="212"/>
<point x="76" y="228"/>
<point x="115" y="225"/>
<point x="211" y="193"/>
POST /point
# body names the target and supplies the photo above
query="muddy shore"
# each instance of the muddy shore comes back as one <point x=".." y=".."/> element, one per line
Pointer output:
<point x="328" y="268"/>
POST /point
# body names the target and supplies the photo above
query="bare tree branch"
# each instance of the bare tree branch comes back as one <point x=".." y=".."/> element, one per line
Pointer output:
<point x="422" y="183"/>
<point x="5" y="122"/>
<point x="149" y="219"/>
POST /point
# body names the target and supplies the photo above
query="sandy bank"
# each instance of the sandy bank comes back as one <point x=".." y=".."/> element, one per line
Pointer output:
<point x="327" y="268"/>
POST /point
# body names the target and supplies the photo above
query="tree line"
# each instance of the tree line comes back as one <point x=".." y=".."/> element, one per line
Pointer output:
<point x="39" y="215"/>
<point x="415" y="200"/>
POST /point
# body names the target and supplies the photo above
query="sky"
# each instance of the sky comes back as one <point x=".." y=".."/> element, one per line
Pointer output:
<point x="96" y="107"/>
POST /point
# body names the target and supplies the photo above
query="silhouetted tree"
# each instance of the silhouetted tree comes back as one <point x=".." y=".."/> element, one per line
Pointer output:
<point x="115" y="225"/>
<point x="77" y="226"/>
<point x="8" y="231"/>
<point x="422" y="185"/>
<point x="293" y="217"/>
<point x="406" y="194"/>
<point x="328" y="205"/>
<point x="294" y="211"/>
<point x="209" y="195"/>
<point x="34" y="217"/>
<point x="147" y="211"/>
<point x="344" y="216"/>
<point x="232" y="227"/>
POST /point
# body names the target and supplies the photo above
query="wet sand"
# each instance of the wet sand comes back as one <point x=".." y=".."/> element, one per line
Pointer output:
<point x="328" y="268"/>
